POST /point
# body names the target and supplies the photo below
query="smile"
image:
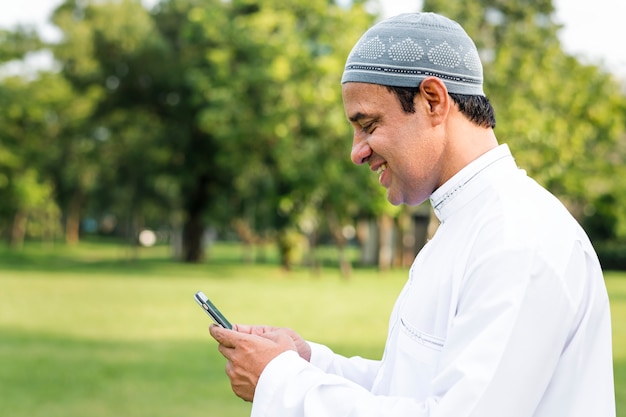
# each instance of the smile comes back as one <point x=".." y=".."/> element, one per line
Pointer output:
<point x="381" y="169"/>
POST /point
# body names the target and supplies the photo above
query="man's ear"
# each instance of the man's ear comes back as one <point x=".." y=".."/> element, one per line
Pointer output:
<point x="435" y="94"/>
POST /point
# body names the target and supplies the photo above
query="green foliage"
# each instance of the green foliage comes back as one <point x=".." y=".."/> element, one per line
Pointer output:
<point x="17" y="43"/>
<point x="35" y="112"/>
<point x="612" y="254"/>
<point x="235" y="105"/>
<point x="113" y="50"/>
<point x="276" y="111"/>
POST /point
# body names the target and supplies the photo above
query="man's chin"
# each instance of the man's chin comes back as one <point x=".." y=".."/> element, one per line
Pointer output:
<point x="395" y="200"/>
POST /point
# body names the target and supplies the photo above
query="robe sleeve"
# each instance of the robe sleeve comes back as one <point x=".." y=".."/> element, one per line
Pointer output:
<point x="359" y="370"/>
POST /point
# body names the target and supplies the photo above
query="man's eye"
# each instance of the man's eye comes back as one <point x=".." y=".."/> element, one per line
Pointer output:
<point x="367" y="127"/>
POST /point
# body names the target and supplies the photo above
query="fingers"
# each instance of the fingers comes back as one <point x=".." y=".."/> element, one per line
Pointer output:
<point x="230" y="339"/>
<point x="302" y="347"/>
<point x="250" y="329"/>
<point x="242" y="328"/>
<point x="243" y="382"/>
<point x="278" y="336"/>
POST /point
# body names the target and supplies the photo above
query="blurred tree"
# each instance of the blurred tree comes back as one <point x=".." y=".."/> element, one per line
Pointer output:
<point x="296" y="123"/>
<point x="15" y="44"/>
<point x="30" y="127"/>
<point x="235" y="105"/>
<point x="187" y="84"/>
<point x="112" y="53"/>
<point x="266" y="76"/>
<point x="23" y="121"/>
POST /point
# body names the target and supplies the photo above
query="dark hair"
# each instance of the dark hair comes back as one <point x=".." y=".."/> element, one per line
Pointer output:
<point x="477" y="109"/>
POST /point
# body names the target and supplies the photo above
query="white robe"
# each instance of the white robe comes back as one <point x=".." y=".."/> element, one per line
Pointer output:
<point x="505" y="313"/>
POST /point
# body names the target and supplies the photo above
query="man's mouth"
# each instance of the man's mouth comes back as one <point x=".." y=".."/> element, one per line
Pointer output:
<point x="381" y="169"/>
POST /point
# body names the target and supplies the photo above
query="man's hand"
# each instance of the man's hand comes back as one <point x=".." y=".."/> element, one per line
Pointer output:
<point x="248" y="351"/>
<point x="303" y="348"/>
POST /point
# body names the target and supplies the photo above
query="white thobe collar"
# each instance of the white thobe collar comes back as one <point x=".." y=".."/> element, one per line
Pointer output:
<point x="454" y="193"/>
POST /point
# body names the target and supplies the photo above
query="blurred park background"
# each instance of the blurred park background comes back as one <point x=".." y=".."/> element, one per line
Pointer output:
<point x="202" y="145"/>
<point x="199" y="120"/>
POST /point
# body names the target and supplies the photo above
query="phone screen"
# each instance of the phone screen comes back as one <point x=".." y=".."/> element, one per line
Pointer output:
<point x="212" y="311"/>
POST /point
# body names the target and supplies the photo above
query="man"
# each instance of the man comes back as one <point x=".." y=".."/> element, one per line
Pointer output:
<point x="505" y="312"/>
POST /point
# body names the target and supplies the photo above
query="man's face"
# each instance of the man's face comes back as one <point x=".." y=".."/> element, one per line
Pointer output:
<point x="405" y="149"/>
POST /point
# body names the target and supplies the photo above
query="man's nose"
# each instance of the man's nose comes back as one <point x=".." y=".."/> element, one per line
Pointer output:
<point x="361" y="150"/>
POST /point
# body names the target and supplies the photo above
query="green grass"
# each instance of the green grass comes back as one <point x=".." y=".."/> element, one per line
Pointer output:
<point x="89" y="331"/>
<point x="616" y="284"/>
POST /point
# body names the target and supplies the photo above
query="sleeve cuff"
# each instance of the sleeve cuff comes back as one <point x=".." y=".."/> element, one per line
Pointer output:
<point x="321" y="356"/>
<point x="276" y="374"/>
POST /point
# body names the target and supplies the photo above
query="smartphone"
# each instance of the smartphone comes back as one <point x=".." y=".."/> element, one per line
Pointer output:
<point x="212" y="311"/>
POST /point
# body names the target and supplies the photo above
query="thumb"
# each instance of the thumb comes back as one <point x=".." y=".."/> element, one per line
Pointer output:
<point x="223" y="336"/>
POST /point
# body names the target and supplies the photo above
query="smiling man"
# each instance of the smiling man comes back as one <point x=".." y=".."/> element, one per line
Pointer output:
<point x="505" y="311"/>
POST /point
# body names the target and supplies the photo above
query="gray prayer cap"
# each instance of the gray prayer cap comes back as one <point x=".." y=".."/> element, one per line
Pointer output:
<point x="403" y="50"/>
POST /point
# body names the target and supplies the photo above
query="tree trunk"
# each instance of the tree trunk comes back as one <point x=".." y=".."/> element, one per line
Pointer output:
<point x="385" y="251"/>
<point x="340" y="240"/>
<point x="345" y="266"/>
<point x="193" y="229"/>
<point x="367" y="236"/>
<point x="248" y="238"/>
<point x="287" y="242"/>
<point x="72" y="221"/>
<point x="18" y="230"/>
